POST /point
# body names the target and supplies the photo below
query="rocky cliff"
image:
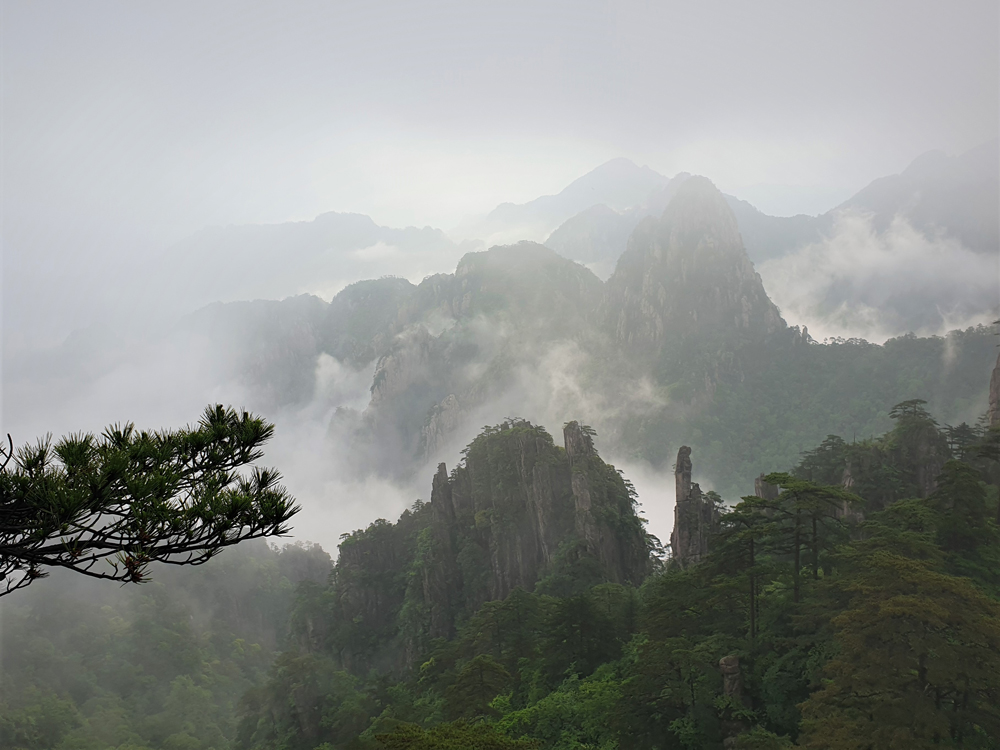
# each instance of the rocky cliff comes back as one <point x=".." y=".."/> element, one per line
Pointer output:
<point x="518" y="512"/>
<point x="687" y="273"/>
<point x="994" y="413"/>
<point x="696" y="516"/>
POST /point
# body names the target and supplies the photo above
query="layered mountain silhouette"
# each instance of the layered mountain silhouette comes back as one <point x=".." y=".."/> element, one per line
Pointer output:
<point x="618" y="184"/>
<point x="590" y="221"/>
<point x="954" y="196"/>
<point x="274" y="261"/>
<point x="682" y="343"/>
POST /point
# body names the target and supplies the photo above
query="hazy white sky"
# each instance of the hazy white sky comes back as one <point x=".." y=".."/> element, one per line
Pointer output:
<point x="127" y="126"/>
<point x="164" y="116"/>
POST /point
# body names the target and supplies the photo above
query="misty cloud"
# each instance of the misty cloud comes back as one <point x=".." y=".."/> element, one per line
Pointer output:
<point x="858" y="282"/>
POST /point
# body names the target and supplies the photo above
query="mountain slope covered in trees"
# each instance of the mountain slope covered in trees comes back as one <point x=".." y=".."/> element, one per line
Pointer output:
<point x="525" y="606"/>
<point x="853" y="602"/>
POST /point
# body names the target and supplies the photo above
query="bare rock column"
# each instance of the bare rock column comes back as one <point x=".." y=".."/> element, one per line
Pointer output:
<point x="695" y="516"/>
<point x="732" y="688"/>
<point x="995" y="395"/>
<point x="579" y="449"/>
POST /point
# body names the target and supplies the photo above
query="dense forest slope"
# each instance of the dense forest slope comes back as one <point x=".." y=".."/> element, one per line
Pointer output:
<point x="853" y="602"/>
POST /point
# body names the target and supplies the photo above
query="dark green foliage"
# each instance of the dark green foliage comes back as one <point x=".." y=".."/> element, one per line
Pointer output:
<point x="784" y="394"/>
<point x="108" y="507"/>
<point x="480" y="680"/>
<point x="305" y="701"/>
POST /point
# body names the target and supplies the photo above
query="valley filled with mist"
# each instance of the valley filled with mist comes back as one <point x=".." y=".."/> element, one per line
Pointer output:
<point x="640" y="462"/>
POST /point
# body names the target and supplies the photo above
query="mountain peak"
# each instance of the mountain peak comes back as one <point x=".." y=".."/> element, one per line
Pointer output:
<point x="688" y="273"/>
<point x="620" y="167"/>
<point x="619" y="184"/>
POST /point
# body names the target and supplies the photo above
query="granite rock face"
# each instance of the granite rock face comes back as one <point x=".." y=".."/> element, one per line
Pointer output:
<point x="519" y="512"/>
<point x="995" y="395"/>
<point x="522" y="504"/>
<point x="687" y="273"/>
<point x="696" y="518"/>
<point x="443" y="419"/>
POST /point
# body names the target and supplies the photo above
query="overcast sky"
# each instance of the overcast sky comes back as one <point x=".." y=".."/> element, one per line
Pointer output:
<point x="127" y="126"/>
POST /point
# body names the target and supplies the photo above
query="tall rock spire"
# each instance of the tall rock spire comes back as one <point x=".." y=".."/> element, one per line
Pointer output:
<point x="695" y="516"/>
<point x="995" y="395"/>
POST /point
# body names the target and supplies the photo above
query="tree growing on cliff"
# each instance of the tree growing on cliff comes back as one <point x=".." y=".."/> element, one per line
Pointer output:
<point x="109" y="506"/>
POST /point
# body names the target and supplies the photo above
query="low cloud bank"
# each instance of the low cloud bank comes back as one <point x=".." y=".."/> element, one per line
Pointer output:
<point x="858" y="282"/>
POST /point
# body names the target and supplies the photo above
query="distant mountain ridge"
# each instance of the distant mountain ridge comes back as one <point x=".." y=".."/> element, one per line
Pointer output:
<point x="618" y="184"/>
<point x="589" y="221"/>
<point x="274" y="261"/>
<point x="682" y="341"/>
<point x="956" y="195"/>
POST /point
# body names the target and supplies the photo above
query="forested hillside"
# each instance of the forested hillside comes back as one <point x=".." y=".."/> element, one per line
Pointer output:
<point x="87" y="664"/>
<point x="853" y="602"/>
<point x="525" y="604"/>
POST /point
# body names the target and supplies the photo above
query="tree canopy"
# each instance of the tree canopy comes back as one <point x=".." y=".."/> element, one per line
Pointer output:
<point x="109" y="506"/>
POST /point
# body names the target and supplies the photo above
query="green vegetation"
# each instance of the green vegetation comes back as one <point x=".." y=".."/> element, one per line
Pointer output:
<point x="784" y="395"/>
<point x="89" y="665"/>
<point x="823" y="617"/>
<point x="857" y="606"/>
<point x="108" y="507"/>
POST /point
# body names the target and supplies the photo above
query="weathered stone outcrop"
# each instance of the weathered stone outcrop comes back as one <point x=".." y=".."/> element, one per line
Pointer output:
<point x="529" y="502"/>
<point x="732" y="688"/>
<point x="442" y="421"/>
<point x="995" y="395"/>
<point x="440" y="576"/>
<point x="517" y="512"/>
<point x="764" y="490"/>
<point x="695" y="516"/>
<point x="687" y="273"/>
<point x="605" y="519"/>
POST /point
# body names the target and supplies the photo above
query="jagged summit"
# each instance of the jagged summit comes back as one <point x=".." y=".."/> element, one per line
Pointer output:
<point x="688" y="272"/>
<point x="519" y="512"/>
